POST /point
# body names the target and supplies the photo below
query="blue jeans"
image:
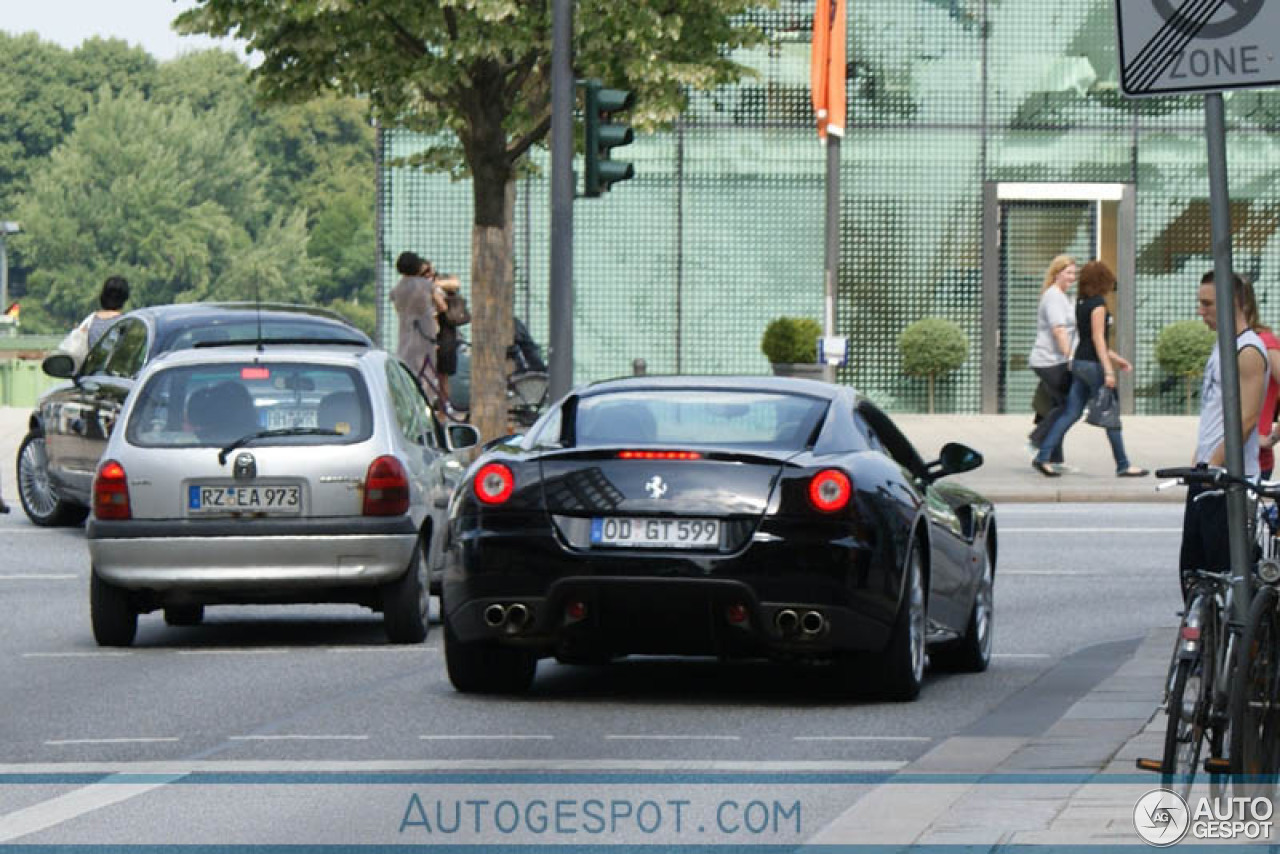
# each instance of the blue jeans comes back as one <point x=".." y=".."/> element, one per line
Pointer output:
<point x="1086" y="378"/>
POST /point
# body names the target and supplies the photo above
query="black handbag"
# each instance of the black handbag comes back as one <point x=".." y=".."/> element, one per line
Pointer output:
<point x="1104" y="409"/>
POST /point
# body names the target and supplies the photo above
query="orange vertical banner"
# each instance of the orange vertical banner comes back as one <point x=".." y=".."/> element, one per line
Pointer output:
<point x="827" y="66"/>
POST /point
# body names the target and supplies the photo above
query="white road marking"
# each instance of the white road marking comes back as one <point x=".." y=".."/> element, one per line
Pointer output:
<point x="486" y="737"/>
<point x="75" y="803"/>
<point x="313" y="766"/>
<point x="861" y="738"/>
<point x="1074" y="530"/>
<point x="297" y="737"/>
<point x="672" y="737"/>
<point x="59" y="742"/>
<point x="120" y="653"/>
<point x="237" y="651"/>
<point x="1021" y="655"/>
<point x="38" y="576"/>
<point x="1064" y="573"/>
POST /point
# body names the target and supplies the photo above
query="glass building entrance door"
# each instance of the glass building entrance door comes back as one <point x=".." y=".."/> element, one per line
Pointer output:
<point x="1024" y="226"/>
<point x="1033" y="233"/>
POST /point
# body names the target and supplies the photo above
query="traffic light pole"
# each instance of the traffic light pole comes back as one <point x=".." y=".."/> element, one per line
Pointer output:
<point x="560" y="379"/>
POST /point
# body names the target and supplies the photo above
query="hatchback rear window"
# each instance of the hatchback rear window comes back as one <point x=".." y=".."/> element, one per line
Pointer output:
<point x="702" y="416"/>
<point x="214" y="405"/>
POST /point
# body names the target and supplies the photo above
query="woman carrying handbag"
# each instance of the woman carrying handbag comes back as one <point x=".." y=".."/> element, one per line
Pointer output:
<point x="1092" y="369"/>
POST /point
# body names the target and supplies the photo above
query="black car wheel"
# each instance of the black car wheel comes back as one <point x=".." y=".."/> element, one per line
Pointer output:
<point x="115" y="620"/>
<point x="406" y="603"/>
<point x="35" y="489"/>
<point x="902" y="666"/>
<point x="972" y="653"/>
<point x="487" y="668"/>
<point x="184" y="615"/>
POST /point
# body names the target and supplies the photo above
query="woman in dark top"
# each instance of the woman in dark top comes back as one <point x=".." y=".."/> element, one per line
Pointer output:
<point x="1093" y="366"/>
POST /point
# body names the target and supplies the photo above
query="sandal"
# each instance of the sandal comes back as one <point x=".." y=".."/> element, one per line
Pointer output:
<point x="1133" y="471"/>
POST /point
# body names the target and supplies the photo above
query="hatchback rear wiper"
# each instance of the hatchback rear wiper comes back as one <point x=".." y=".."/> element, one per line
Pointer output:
<point x="267" y="434"/>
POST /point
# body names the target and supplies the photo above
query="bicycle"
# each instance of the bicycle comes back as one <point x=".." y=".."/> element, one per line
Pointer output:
<point x="1201" y="685"/>
<point x="1255" y="699"/>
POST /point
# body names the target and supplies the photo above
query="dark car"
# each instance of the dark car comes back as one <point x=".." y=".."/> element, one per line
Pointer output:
<point x="735" y="517"/>
<point x="71" y="424"/>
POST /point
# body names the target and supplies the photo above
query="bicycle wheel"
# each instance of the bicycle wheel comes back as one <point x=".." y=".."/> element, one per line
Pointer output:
<point x="1255" y="699"/>
<point x="1185" y="730"/>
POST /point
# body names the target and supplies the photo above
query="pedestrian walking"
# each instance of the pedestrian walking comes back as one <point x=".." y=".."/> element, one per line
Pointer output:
<point x="1051" y="353"/>
<point x="417" y="302"/>
<point x="1093" y="366"/>
<point x="1205" y="542"/>
<point x="454" y="316"/>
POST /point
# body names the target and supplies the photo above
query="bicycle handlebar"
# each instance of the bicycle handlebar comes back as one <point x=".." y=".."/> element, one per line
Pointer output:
<point x="1217" y="477"/>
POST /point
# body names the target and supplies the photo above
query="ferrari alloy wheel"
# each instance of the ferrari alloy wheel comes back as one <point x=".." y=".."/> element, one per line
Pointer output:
<point x="903" y="664"/>
<point x="115" y="620"/>
<point x="35" y="489"/>
<point x="972" y="653"/>
<point x="406" y="605"/>
<point x="487" y="668"/>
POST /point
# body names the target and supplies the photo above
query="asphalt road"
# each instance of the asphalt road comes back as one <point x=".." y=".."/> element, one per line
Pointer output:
<point x="364" y="742"/>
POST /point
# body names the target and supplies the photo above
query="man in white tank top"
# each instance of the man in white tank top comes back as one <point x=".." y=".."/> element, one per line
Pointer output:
<point x="1204" y="522"/>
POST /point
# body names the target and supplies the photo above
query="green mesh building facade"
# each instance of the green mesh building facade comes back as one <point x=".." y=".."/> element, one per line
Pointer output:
<point x="984" y="137"/>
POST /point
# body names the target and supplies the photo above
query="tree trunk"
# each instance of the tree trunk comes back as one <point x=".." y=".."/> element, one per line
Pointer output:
<point x="931" y="379"/>
<point x="1186" y="384"/>
<point x="492" y="329"/>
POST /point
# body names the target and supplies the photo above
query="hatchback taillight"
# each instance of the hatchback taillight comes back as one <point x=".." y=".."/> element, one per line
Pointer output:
<point x="494" y="484"/>
<point x="386" y="488"/>
<point x="111" y="492"/>
<point x="830" y="490"/>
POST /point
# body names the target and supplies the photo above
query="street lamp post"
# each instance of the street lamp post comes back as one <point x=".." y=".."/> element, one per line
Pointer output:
<point x="6" y="228"/>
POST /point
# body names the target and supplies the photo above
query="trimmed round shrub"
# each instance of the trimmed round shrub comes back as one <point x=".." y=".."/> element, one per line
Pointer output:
<point x="931" y="347"/>
<point x="791" y="340"/>
<point x="1182" y="349"/>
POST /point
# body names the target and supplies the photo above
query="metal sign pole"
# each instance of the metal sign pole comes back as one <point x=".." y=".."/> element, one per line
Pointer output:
<point x="1224" y="286"/>
<point x="560" y="379"/>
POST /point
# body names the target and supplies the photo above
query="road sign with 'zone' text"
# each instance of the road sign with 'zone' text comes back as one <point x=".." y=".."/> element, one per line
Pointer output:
<point x="1170" y="47"/>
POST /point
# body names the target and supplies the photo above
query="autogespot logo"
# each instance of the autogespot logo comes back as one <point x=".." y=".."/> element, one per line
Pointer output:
<point x="1161" y="817"/>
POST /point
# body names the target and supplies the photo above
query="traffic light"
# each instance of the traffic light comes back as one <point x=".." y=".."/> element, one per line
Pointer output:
<point x="603" y="135"/>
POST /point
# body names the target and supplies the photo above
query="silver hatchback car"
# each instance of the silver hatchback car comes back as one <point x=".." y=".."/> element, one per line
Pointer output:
<point x="271" y="475"/>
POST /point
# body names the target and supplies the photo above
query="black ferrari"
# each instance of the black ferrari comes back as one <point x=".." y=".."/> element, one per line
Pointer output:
<point x="733" y="517"/>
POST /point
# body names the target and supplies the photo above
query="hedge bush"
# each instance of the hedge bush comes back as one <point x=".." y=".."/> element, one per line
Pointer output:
<point x="931" y="347"/>
<point x="1182" y="349"/>
<point x="791" y="340"/>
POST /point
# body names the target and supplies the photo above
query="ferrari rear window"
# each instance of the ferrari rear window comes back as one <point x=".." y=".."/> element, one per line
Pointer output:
<point x="702" y="416"/>
<point x="214" y="405"/>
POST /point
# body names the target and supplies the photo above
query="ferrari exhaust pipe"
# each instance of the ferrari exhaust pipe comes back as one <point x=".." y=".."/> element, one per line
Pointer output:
<point x="495" y="615"/>
<point x="517" y="616"/>
<point x="812" y="623"/>
<point x="786" y="621"/>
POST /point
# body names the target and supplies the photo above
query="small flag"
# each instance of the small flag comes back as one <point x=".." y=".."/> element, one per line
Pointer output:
<point x="12" y="311"/>
<point x="827" y="66"/>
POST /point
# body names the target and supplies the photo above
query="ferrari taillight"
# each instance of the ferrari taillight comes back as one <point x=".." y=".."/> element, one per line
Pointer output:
<point x="659" y="455"/>
<point x="386" y="488"/>
<point x="111" y="492"/>
<point x="830" y="490"/>
<point x="494" y="484"/>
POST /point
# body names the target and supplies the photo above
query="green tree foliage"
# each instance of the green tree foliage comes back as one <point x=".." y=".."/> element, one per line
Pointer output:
<point x="791" y="340"/>
<point x="1182" y="349"/>
<point x="931" y="347"/>
<point x="477" y="76"/>
<point x="171" y="200"/>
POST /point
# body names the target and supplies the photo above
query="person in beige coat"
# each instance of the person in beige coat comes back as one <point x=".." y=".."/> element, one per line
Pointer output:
<point x="417" y="301"/>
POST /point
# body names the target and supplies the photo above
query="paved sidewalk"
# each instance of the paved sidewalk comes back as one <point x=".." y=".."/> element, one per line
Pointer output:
<point x="1006" y="475"/>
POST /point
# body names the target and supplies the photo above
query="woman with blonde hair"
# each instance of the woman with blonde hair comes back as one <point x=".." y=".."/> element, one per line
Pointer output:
<point x="1093" y="365"/>
<point x="1051" y="353"/>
